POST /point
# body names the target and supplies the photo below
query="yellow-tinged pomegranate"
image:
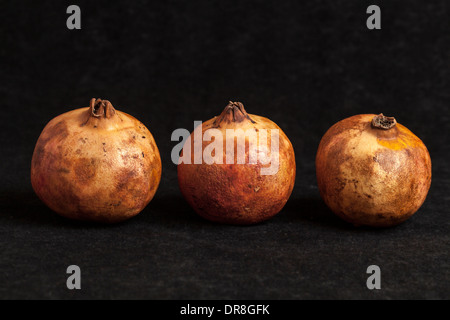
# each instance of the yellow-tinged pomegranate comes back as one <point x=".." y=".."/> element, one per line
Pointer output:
<point x="240" y="192"/>
<point x="372" y="171"/>
<point x="96" y="164"/>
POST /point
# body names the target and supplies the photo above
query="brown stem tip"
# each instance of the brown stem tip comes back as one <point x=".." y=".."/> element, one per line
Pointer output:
<point x="101" y="108"/>
<point x="233" y="112"/>
<point x="382" y="122"/>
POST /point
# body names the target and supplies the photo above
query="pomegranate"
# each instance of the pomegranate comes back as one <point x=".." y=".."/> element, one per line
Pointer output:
<point x="240" y="191"/>
<point x="372" y="171"/>
<point x="96" y="164"/>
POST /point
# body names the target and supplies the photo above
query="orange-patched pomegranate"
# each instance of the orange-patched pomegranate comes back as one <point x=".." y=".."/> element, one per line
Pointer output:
<point x="372" y="171"/>
<point x="96" y="164"/>
<point x="235" y="186"/>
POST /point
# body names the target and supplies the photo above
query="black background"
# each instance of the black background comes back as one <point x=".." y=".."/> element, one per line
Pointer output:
<point x="303" y="64"/>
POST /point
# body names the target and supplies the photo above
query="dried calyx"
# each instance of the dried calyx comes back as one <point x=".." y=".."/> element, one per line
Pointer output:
<point x="101" y="108"/>
<point x="233" y="112"/>
<point x="382" y="122"/>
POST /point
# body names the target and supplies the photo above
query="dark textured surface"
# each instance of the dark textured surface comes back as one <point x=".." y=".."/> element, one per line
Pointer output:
<point x="304" y="65"/>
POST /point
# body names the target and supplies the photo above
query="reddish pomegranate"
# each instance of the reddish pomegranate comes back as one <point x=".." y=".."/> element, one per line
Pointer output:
<point x="96" y="164"/>
<point x="372" y="171"/>
<point x="240" y="192"/>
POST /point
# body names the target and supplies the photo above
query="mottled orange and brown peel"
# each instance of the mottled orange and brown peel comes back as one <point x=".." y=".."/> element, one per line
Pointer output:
<point x="96" y="164"/>
<point x="238" y="193"/>
<point x="372" y="176"/>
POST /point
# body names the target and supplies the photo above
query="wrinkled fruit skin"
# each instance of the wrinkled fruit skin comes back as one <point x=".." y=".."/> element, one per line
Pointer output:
<point x="91" y="171"/>
<point x="369" y="176"/>
<point x="238" y="193"/>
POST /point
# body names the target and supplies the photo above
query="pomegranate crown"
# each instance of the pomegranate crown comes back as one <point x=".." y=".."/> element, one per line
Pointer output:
<point x="382" y="122"/>
<point x="233" y="112"/>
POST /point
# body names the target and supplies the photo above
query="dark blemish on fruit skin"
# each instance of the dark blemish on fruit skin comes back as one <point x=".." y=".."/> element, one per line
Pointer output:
<point x="85" y="169"/>
<point x="63" y="170"/>
<point x="131" y="185"/>
<point x="131" y="140"/>
<point x="116" y="204"/>
<point x="58" y="131"/>
<point x="413" y="186"/>
<point x="124" y="179"/>
<point x="143" y="137"/>
<point x="38" y="155"/>
<point x="143" y="155"/>
<point x="83" y="140"/>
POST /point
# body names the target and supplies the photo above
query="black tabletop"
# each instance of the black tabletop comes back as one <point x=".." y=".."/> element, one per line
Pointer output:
<point x="303" y="64"/>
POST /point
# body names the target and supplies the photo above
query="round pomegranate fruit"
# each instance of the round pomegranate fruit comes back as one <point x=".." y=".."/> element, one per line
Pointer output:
<point x="233" y="186"/>
<point x="372" y="171"/>
<point x="96" y="163"/>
